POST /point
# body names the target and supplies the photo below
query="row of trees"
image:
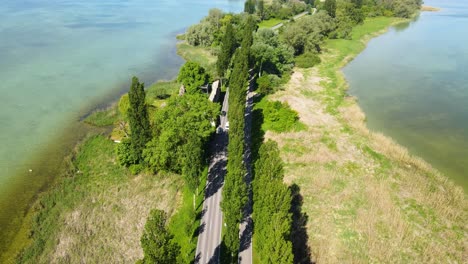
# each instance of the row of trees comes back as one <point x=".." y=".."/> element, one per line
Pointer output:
<point x="271" y="211"/>
<point x="171" y="138"/>
<point x="235" y="188"/>
<point x="175" y="140"/>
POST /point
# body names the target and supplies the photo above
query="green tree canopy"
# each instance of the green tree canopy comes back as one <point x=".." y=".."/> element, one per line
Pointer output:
<point x="270" y="54"/>
<point x="157" y="242"/>
<point x="272" y="203"/>
<point x="307" y="33"/>
<point x="140" y="131"/>
<point x="192" y="76"/>
<point x="228" y="47"/>
<point x="330" y="7"/>
<point x="249" y="6"/>
<point x="181" y="129"/>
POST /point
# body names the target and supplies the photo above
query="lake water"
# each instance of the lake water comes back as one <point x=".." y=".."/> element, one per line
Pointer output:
<point x="412" y="83"/>
<point x="61" y="58"/>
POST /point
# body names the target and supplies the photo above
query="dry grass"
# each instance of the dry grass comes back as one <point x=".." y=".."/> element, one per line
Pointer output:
<point x="107" y="227"/>
<point x="97" y="213"/>
<point x="368" y="200"/>
<point x="429" y="8"/>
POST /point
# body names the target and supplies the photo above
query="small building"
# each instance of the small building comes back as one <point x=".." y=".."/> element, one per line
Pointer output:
<point x="215" y="92"/>
<point x="181" y="90"/>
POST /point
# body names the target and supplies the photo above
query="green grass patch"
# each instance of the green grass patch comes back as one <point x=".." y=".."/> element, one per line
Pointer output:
<point x="185" y="223"/>
<point x="278" y="116"/>
<point x="161" y="90"/>
<point x="89" y="202"/>
<point x="106" y="117"/>
<point x="307" y="60"/>
<point x="329" y="141"/>
<point x="201" y="55"/>
<point x="270" y="23"/>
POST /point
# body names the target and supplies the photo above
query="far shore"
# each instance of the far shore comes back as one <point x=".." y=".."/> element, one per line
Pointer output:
<point x="429" y="8"/>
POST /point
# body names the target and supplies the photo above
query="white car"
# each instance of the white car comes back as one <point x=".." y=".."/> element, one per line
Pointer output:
<point x="226" y="127"/>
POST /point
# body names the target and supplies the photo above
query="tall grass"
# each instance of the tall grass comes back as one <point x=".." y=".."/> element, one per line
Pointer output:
<point x="201" y="55"/>
<point x="368" y="199"/>
<point x="96" y="212"/>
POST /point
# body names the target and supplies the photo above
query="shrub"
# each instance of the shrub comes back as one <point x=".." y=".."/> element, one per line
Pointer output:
<point x="307" y="60"/>
<point x="126" y="154"/>
<point x="136" y="168"/>
<point x="278" y="116"/>
<point x="192" y="76"/>
<point x="124" y="105"/>
<point x="267" y="83"/>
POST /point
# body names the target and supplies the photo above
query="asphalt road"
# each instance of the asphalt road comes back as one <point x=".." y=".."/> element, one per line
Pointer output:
<point x="209" y="238"/>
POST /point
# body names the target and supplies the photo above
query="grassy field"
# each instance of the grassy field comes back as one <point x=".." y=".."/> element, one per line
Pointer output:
<point x="96" y="212"/>
<point x="161" y="90"/>
<point x="367" y="200"/>
<point x="185" y="223"/>
<point x="270" y="23"/>
<point x="200" y="55"/>
<point x="104" y="117"/>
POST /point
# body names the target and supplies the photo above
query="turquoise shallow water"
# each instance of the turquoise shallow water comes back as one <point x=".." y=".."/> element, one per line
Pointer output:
<point x="60" y="58"/>
<point x="412" y="83"/>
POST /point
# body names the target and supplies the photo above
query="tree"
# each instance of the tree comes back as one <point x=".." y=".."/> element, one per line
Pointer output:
<point x="269" y="54"/>
<point x="307" y="33"/>
<point x="201" y="34"/>
<point x="235" y="189"/>
<point x="227" y="50"/>
<point x="272" y="203"/>
<point x="192" y="76"/>
<point x="330" y="7"/>
<point x="261" y="9"/>
<point x="157" y="242"/>
<point x="405" y="8"/>
<point x="140" y="132"/>
<point x="192" y="161"/>
<point x="249" y="6"/>
<point x="182" y="128"/>
<point x="357" y="3"/>
<point x="126" y="153"/>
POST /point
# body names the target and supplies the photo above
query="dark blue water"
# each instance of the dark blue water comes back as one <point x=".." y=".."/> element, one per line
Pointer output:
<point x="412" y="83"/>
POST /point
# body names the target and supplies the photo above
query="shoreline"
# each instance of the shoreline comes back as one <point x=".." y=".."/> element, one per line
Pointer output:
<point x="406" y="148"/>
<point x="47" y="171"/>
<point x="375" y="134"/>
<point x="358" y="180"/>
<point x="359" y="123"/>
<point x="426" y="8"/>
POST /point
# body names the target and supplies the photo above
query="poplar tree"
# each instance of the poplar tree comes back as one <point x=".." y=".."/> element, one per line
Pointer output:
<point x="140" y="132"/>
<point x="157" y="242"/>
<point x="227" y="50"/>
<point x="261" y="9"/>
<point x="235" y="188"/>
<point x="249" y="6"/>
<point x="330" y="7"/>
<point x="271" y="210"/>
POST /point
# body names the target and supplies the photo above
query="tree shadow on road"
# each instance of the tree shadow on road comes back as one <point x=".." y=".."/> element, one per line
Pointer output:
<point x="216" y="177"/>
<point x="246" y="237"/>
<point x="198" y="230"/>
<point x="299" y="237"/>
